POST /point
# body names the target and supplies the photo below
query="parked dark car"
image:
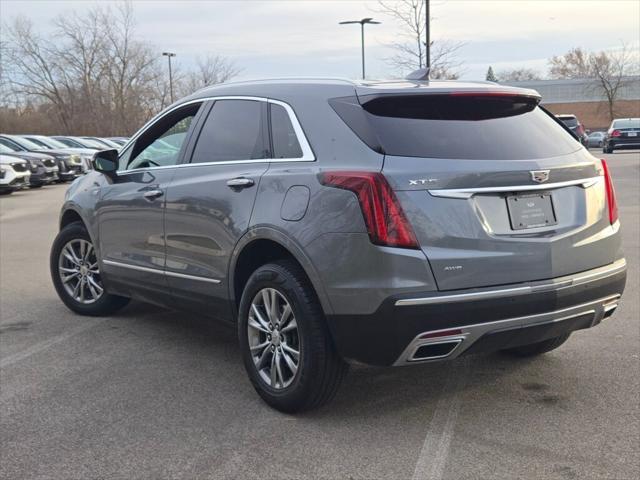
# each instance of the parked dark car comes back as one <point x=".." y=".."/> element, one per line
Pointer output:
<point x="69" y="164"/>
<point x="50" y="143"/>
<point x="44" y="169"/>
<point x="573" y="124"/>
<point x="623" y="133"/>
<point x="334" y="221"/>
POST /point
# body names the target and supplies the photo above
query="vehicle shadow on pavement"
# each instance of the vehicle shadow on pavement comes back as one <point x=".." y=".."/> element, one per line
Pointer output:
<point x="366" y="391"/>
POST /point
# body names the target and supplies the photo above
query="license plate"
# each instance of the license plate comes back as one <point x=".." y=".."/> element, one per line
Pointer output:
<point x="632" y="134"/>
<point x="531" y="211"/>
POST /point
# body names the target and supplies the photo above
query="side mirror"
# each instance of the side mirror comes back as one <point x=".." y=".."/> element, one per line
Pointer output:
<point x="106" y="161"/>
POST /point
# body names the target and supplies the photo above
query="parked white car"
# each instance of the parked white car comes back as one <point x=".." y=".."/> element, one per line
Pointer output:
<point x="14" y="174"/>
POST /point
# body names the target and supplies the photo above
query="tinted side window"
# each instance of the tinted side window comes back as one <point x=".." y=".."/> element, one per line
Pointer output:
<point x="234" y="130"/>
<point x="285" y="141"/>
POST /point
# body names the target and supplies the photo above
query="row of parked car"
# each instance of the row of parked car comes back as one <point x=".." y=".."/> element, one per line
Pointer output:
<point x="31" y="161"/>
<point x="622" y="133"/>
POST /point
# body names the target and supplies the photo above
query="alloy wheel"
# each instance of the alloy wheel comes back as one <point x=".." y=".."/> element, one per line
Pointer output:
<point x="79" y="272"/>
<point x="273" y="338"/>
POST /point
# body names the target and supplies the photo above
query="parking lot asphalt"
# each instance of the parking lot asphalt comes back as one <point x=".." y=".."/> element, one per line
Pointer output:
<point x="156" y="394"/>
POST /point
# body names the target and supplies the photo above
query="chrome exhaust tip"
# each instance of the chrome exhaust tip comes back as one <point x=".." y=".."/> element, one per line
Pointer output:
<point x="435" y="350"/>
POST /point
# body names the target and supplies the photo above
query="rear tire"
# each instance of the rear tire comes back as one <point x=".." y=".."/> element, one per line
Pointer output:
<point x="538" y="348"/>
<point x="73" y="259"/>
<point x="319" y="369"/>
<point x="607" y="149"/>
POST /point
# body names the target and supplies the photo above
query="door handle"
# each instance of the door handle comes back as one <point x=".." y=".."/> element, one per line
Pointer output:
<point x="240" y="182"/>
<point x="153" y="194"/>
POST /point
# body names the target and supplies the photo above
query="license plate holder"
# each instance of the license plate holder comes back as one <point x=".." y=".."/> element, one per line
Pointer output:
<point x="531" y="211"/>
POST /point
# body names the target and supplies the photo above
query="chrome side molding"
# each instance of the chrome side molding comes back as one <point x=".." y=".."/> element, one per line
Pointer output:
<point x="159" y="271"/>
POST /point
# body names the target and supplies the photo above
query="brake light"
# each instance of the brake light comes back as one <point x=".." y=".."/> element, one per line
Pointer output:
<point x="612" y="204"/>
<point x="616" y="133"/>
<point x="490" y="93"/>
<point x="580" y="129"/>
<point x="385" y="220"/>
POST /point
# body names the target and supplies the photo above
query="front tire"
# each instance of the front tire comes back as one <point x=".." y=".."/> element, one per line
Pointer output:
<point x="539" y="348"/>
<point x="76" y="274"/>
<point x="285" y="343"/>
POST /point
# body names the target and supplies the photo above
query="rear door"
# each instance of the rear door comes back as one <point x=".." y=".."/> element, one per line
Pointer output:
<point x="495" y="189"/>
<point x="210" y="200"/>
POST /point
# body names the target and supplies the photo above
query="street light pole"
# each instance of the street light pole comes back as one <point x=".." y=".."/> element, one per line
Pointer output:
<point x="362" y="24"/>
<point x="362" y="47"/>
<point x="428" y="36"/>
<point x="169" y="55"/>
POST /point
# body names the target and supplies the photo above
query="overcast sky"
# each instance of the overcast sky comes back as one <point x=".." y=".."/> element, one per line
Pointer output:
<point x="302" y="37"/>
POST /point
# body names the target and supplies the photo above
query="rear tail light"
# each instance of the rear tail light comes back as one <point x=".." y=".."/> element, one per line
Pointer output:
<point x="385" y="220"/>
<point x="580" y="130"/>
<point x="616" y="133"/>
<point x="612" y="204"/>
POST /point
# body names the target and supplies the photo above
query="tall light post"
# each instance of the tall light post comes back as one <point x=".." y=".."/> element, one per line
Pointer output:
<point x="169" y="55"/>
<point x="427" y="34"/>
<point x="362" y="23"/>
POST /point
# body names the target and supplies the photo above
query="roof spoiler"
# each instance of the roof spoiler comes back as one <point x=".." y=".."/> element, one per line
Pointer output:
<point x="420" y="75"/>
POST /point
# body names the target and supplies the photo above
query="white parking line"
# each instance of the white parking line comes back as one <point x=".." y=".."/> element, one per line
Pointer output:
<point x="435" y="449"/>
<point x="39" y="347"/>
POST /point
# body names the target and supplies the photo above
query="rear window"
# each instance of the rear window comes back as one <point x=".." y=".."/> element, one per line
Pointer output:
<point x="627" y="123"/>
<point x="569" y="121"/>
<point x="458" y="127"/>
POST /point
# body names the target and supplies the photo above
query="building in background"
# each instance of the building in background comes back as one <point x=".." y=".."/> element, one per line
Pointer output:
<point x="584" y="99"/>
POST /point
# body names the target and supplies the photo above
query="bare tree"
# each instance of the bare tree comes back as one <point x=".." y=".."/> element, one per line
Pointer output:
<point x="132" y="70"/>
<point x="36" y="71"/>
<point x="573" y="64"/>
<point x="411" y="50"/>
<point x="610" y="70"/>
<point x="91" y="75"/>
<point x="518" y="75"/>
<point x="210" y="70"/>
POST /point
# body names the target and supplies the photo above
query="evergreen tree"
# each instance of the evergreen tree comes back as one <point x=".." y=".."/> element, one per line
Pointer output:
<point x="491" y="76"/>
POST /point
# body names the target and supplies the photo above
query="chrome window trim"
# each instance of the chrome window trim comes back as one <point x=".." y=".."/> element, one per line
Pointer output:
<point x="307" y="153"/>
<point x="556" y="284"/>
<point x="469" y="192"/>
<point x="159" y="271"/>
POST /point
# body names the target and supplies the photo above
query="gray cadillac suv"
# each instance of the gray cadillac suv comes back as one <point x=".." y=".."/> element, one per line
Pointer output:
<point x="386" y="223"/>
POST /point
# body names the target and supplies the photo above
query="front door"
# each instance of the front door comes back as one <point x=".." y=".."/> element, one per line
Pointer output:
<point x="130" y="211"/>
<point x="210" y="200"/>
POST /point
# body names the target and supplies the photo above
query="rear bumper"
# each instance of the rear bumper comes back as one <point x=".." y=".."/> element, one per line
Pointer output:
<point x="629" y="142"/>
<point x="416" y="329"/>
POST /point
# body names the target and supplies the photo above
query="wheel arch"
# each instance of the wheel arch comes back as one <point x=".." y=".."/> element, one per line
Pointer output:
<point x="70" y="215"/>
<point x="261" y="245"/>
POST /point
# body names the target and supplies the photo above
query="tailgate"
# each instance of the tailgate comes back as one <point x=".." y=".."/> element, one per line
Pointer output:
<point x="482" y="226"/>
